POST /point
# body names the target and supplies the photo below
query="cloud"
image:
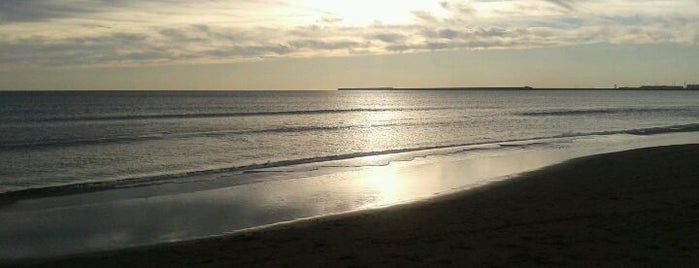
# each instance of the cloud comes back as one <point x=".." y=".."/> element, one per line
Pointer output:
<point x="459" y="8"/>
<point x="75" y="51"/>
<point x="330" y="19"/>
<point x="125" y="32"/>
<point x="47" y="10"/>
<point x="425" y="16"/>
<point x="566" y="4"/>
<point x="33" y="11"/>
<point x="389" y="37"/>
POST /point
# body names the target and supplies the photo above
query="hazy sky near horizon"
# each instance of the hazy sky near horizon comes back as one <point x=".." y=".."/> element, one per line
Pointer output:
<point x="315" y="44"/>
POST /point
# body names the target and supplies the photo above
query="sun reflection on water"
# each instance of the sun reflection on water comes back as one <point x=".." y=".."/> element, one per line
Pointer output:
<point x="378" y="137"/>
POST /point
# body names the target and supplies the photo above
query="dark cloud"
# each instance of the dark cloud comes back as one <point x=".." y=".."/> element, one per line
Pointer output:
<point x="181" y="36"/>
<point x="388" y="37"/>
<point x="567" y="4"/>
<point x="37" y="10"/>
<point x="46" y="10"/>
<point x="75" y="51"/>
<point x="323" y="45"/>
<point x="251" y="51"/>
<point x="12" y="11"/>
<point x="448" y="33"/>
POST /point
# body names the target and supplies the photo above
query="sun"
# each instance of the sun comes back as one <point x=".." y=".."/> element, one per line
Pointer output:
<point x="362" y="12"/>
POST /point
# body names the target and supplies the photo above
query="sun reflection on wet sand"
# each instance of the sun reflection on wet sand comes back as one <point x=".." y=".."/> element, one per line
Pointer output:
<point x="394" y="184"/>
<point x="385" y="182"/>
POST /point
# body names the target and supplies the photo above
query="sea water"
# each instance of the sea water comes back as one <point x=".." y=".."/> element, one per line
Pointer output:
<point x="57" y="139"/>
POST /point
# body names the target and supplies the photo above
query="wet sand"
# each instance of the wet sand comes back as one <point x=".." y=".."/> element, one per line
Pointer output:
<point x="634" y="208"/>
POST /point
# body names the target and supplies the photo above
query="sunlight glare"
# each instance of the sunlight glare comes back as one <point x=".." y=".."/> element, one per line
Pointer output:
<point x="387" y="185"/>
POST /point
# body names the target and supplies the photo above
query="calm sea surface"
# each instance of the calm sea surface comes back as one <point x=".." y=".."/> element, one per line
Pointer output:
<point x="82" y="139"/>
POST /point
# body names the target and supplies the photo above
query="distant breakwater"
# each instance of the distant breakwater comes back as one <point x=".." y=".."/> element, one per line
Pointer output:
<point x="689" y="87"/>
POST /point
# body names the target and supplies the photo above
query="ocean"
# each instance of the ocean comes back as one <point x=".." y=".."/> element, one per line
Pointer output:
<point x="75" y="139"/>
<point x="90" y="171"/>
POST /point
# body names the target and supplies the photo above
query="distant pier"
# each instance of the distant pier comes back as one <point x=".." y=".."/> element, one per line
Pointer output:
<point x="660" y="87"/>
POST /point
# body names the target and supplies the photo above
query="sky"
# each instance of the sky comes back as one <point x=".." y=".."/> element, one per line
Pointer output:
<point x="324" y="44"/>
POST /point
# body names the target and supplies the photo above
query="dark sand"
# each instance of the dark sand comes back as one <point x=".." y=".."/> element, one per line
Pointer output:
<point x="635" y="208"/>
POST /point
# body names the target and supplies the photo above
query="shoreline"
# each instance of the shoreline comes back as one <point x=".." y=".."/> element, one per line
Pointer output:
<point x="9" y="197"/>
<point x="630" y="208"/>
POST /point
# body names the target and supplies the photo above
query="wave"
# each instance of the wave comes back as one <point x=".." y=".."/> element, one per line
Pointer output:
<point x="565" y="112"/>
<point x="221" y="114"/>
<point x="218" y="133"/>
<point x="166" y="178"/>
<point x="150" y="180"/>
